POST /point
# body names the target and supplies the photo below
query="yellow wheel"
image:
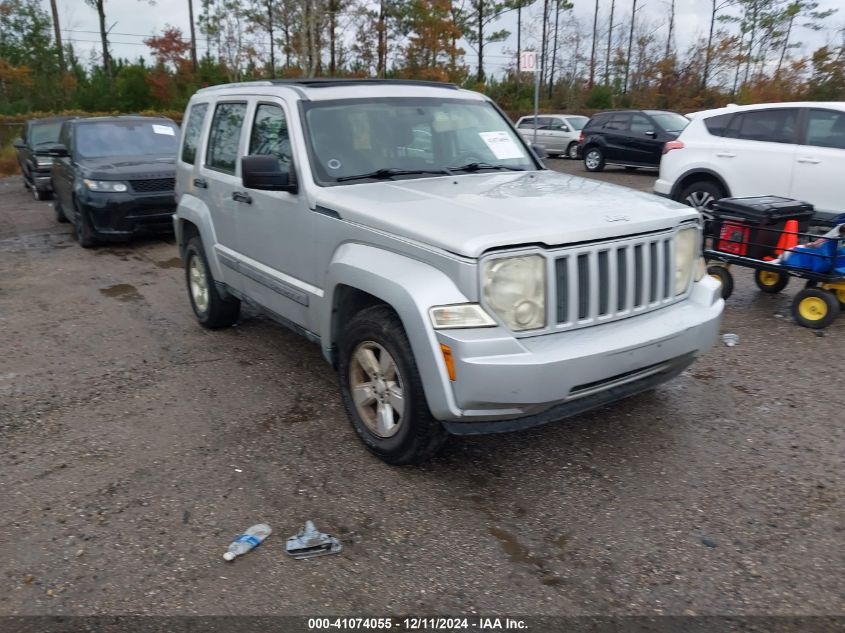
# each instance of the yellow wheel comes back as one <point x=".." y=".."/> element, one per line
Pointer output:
<point x="837" y="289"/>
<point x="770" y="281"/>
<point x="815" y="308"/>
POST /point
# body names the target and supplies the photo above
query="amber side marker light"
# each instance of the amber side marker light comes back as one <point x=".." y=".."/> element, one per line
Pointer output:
<point x="450" y="362"/>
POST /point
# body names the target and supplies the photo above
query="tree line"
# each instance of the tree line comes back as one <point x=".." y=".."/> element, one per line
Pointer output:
<point x="751" y="51"/>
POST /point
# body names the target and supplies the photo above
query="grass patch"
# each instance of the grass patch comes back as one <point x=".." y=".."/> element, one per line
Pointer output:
<point x="8" y="161"/>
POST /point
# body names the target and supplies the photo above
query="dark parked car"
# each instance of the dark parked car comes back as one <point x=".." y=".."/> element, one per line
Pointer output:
<point x="114" y="176"/>
<point x="38" y="136"/>
<point x="631" y="138"/>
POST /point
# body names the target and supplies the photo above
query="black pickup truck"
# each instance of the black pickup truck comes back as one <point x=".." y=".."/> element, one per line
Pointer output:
<point x="37" y="138"/>
<point x="114" y="177"/>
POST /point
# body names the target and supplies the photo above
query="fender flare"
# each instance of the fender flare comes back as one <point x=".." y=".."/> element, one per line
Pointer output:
<point x="676" y="188"/>
<point x="410" y="287"/>
<point x="192" y="209"/>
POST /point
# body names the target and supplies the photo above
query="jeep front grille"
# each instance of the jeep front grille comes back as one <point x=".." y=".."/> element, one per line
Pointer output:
<point x="612" y="280"/>
<point x="153" y="184"/>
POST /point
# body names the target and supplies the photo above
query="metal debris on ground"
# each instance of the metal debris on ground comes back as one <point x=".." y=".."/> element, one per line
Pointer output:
<point x="309" y="542"/>
<point x="731" y="340"/>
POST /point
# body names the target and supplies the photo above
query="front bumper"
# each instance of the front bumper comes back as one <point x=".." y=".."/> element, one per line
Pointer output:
<point x="663" y="188"/>
<point x="504" y="383"/>
<point x="124" y="214"/>
<point x="41" y="180"/>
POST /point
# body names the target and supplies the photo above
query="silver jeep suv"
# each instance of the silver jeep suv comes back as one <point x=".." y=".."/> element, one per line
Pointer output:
<point x="456" y="285"/>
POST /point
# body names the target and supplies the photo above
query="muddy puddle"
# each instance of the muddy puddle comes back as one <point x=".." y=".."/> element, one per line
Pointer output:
<point x="122" y="292"/>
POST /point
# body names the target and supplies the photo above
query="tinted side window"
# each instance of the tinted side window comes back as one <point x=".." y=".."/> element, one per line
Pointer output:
<point x="596" y="121"/>
<point x="640" y="124"/>
<point x="717" y="125"/>
<point x="192" y="132"/>
<point x="826" y="128"/>
<point x="772" y="126"/>
<point x="618" y="122"/>
<point x="224" y="136"/>
<point x="270" y="133"/>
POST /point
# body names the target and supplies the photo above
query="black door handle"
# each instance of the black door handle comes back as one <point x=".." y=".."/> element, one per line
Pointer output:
<point x="201" y="183"/>
<point x="241" y="196"/>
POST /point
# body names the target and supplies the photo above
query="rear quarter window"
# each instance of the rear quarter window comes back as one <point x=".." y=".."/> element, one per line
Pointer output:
<point x="717" y="125"/>
<point x="193" y="129"/>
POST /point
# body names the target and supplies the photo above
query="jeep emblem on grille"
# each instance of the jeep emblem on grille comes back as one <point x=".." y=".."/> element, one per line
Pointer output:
<point x="617" y="218"/>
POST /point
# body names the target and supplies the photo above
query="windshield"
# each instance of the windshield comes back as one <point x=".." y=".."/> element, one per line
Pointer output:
<point x="126" y="138"/>
<point x="670" y="121"/>
<point x="577" y="122"/>
<point x="45" y="133"/>
<point x="354" y="137"/>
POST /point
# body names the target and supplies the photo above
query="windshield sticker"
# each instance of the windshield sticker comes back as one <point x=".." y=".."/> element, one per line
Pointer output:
<point x="501" y="144"/>
<point x="163" y="129"/>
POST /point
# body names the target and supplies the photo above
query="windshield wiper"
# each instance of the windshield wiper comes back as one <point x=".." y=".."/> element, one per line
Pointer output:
<point x="477" y="166"/>
<point x="387" y="173"/>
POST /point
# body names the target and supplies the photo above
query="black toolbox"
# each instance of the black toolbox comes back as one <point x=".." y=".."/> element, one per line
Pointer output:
<point x="752" y="227"/>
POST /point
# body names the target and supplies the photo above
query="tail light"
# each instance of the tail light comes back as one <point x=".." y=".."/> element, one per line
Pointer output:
<point x="670" y="145"/>
<point x="581" y="139"/>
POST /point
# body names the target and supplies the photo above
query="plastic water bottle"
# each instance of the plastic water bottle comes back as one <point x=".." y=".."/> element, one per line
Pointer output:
<point x="246" y="541"/>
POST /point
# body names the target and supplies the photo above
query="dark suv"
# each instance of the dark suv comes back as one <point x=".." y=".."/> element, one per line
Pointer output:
<point x="630" y="138"/>
<point x="33" y="150"/>
<point x="115" y="176"/>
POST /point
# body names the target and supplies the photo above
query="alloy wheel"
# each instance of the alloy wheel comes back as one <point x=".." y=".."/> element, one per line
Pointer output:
<point x="199" y="283"/>
<point x="376" y="387"/>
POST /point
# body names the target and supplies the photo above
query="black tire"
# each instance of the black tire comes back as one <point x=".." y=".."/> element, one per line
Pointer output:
<point x="40" y="194"/>
<point x="59" y="211"/>
<point x="815" y="308"/>
<point x="593" y="159"/>
<point x="725" y="277"/>
<point x="839" y="293"/>
<point x="219" y="312"/>
<point x="572" y="151"/>
<point x="701" y="195"/>
<point x="84" y="231"/>
<point x="418" y="436"/>
<point x="631" y="168"/>
<point x="770" y="282"/>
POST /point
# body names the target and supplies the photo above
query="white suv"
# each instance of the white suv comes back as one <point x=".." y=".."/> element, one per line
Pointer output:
<point x="557" y="134"/>
<point x="796" y="150"/>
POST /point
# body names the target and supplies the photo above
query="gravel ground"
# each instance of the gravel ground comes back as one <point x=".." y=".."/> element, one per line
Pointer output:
<point x="135" y="444"/>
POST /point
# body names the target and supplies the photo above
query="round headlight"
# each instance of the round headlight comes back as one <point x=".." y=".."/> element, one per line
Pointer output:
<point x="515" y="289"/>
<point x="119" y="186"/>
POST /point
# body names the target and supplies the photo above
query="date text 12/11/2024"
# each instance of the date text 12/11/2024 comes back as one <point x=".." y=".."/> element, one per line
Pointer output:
<point x="418" y="624"/>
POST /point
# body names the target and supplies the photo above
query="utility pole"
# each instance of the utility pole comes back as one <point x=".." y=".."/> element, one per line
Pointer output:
<point x="671" y="27"/>
<point x="630" y="46"/>
<point x="593" y="53"/>
<point x="58" y="31"/>
<point x="194" y="64"/>
<point x="609" y="45"/>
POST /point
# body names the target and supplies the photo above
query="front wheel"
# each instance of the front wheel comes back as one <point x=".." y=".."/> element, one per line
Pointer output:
<point x="594" y="159"/>
<point x="84" y="231"/>
<point x="40" y="194"/>
<point x="59" y="211"/>
<point x="815" y="308"/>
<point x="770" y="281"/>
<point x="210" y="308"/>
<point x="382" y="390"/>
<point x="572" y="151"/>
<point x="725" y="278"/>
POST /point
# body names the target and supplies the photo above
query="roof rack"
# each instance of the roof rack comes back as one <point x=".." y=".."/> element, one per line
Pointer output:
<point x="329" y="82"/>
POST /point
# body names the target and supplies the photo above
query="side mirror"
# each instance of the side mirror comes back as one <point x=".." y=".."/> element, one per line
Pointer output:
<point x="564" y="128"/>
<point x="539" y="151"/>
<point x="266" y="173"/>
<point x="57" y="151"/>
<point x="19" y="143"/>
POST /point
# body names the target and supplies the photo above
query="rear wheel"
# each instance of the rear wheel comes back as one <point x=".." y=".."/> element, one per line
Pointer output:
<point x="572" y="151"/>
<point x="594" y="159"/>
<point x="815" y="308"/>
<point x="725" y="278"/>
<point x="210" y="308"/>
<point x="702" y="195"/>
<point x="382" y="389"/>
<point x="770" y="282"/>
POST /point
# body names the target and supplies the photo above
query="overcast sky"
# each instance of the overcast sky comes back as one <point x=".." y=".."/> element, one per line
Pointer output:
<point x="133" y="20"/>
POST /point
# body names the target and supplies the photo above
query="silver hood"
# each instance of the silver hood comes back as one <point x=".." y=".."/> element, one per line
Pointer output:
<point x="470" y="214"/>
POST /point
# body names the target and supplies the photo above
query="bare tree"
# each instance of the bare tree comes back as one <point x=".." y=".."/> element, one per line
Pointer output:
<point x="671" y="27"/>
<point x="593" y="53"/>
<point x="194" y="64"/>
<point x="630" y="46"/>
<point x="717" y="5"/>
<point x="58" y="33"/>
<point x="609" y="44"/>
